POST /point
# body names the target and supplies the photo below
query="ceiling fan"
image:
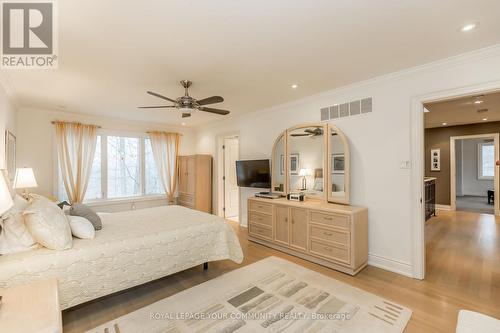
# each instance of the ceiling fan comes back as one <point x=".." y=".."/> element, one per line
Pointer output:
<point x="188" y="104"/>
<point x="310" y="132"/>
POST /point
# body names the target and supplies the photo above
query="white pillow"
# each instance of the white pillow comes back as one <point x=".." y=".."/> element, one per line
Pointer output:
<point x="47" y="224"/>
<point x="14" y="236"/>
<point x="81" y="227"/>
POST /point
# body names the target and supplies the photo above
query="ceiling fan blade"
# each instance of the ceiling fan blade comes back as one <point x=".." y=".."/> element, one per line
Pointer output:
<point x="156" y="107"/>
<point x="212" y="110"/>
<point x="186" y="115"/>
<point x="161" y="96"/>
<point x="210" y="100"/>
<point x="301" y="134"/>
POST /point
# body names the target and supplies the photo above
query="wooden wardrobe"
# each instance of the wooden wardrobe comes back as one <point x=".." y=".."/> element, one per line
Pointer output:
<point x="195" y="182"/>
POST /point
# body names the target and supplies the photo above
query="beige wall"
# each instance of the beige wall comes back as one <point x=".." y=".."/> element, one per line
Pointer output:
<point x="7" y="122"/>
<point x="440" y="138"/>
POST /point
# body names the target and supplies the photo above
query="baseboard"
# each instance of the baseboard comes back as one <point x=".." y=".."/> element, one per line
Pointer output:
<point x="395" y="266"/>
<point x="443" y="207"/>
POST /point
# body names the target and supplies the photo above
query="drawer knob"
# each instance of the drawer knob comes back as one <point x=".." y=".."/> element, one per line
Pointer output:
<point x="328" y="218"/>
<point x="329" y="249"/>
<point x="328" y="233"/>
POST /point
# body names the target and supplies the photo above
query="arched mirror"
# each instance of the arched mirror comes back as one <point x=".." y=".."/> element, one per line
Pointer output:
<point x="306" y="160"/>
<point x="279" y="165"/>
<point x="338" y="166"/>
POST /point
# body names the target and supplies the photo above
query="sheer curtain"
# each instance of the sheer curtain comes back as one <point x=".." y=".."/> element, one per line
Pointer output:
<point x="75" y="149"/>
<point x="165" y="148"/>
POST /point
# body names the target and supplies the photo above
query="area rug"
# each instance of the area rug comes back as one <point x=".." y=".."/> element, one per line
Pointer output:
<point x="272" y="295"/>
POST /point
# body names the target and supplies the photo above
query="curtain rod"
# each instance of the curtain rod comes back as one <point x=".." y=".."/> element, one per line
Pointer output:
<point x="73" y="122"/>
<point x="149" y="132"/>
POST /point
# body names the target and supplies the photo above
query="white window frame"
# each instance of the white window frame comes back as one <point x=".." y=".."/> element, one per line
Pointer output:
<point x="104" y="170"/>
<point x="480" y="146"/>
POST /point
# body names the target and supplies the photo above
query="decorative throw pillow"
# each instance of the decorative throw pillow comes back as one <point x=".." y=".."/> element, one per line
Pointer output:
<point x="14" y="236"/>
<point x="48" y="224"/>
<point x="81" y="227"/>
<point x="85" y="211"/>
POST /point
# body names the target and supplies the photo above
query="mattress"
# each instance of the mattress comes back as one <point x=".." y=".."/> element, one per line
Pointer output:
<point x="133" y="248"/>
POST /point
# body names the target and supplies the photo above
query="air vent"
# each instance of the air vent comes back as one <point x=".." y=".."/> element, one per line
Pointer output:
<point x="325" y="114"/>
<point x="352" y="108"/>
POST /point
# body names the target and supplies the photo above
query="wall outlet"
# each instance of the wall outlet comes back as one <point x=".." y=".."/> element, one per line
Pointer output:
<point x="405" y="164"/>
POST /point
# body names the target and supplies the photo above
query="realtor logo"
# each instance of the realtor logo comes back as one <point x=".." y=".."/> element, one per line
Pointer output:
<point x="28" y="35"/>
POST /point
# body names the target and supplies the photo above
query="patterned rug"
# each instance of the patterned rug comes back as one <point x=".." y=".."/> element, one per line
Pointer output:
<point x="272" y="295"/>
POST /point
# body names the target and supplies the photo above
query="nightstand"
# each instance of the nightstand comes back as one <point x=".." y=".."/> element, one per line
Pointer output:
<point x="31" y="308"/>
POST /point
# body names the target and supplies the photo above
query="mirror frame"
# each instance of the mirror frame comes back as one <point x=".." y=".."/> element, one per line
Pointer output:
<point x="327" y="195"/>
<point x="347" y="174"/>
<point x="288" y="133"/>
<point x="275" y="164"/>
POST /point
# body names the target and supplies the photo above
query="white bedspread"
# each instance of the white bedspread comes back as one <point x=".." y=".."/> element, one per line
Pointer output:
<point x="133" y="248"/>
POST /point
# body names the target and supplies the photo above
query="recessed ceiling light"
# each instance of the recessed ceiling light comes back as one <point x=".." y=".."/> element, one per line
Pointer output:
<point x="183" y="124"/>
<point x="478" y="102"/>
<point x="484" y="119"/>
<point x="295" y="86"/>
<point x="469" y="27"/>
<point x="444" y="124"/>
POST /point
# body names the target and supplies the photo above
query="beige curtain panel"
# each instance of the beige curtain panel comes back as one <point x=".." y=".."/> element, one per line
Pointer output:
<point x="165" y="148"/>
<point x="76" y="145"/>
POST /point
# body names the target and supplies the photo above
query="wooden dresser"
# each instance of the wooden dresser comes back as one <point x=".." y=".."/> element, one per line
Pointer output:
<point x="331" y="235"/>
<point x="195" y="182"/>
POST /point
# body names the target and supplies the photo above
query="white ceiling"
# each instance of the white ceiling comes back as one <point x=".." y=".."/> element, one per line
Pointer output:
<point x="248" y="51"/>
<point x="463" y="111"/>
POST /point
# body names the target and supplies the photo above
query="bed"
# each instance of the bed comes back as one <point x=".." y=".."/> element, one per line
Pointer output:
<point x="133" y="248"/>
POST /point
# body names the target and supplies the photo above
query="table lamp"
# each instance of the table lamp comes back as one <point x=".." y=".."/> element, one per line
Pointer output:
<point x="25" y="178"/>
<point x="304" y="173"/>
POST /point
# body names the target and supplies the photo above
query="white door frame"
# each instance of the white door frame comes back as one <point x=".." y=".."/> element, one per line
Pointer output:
<point x="453" y="171"/>
<point x="418" y="158"/>
<point x="219" y="166"/>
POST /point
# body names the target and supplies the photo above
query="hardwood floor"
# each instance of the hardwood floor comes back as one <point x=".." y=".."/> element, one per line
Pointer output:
<point x="463" y="272"/>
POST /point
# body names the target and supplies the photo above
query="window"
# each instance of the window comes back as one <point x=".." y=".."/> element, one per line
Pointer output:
<point x="486" y="161"/>
<point x="123" y="167"/>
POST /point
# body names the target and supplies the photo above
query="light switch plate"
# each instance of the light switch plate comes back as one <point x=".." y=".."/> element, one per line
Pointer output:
<point x="405" y="165"/>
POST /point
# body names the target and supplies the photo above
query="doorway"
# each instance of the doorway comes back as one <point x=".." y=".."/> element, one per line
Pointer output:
<point x="230" y="190"/>
<point x="464" y="113"/>
<point x="473" y="173"/>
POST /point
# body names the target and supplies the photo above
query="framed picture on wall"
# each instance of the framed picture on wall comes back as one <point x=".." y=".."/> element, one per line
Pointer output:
<point x="294" y="164"/>
<point x="436" y="159"/>
<point x="338" y="163"/>
<point x="10" y="154"/>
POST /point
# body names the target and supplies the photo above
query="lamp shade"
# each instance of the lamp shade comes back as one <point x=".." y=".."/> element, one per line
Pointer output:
<point x="5" y="198"/>
<point x="305" y="172"/>
<point x="25" y="178"/>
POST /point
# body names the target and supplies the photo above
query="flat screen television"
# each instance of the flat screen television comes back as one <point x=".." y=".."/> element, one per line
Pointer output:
<point x="254" y="173"/>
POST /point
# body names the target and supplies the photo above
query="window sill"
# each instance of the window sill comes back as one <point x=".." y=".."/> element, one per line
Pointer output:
<point x="108" y="202"/>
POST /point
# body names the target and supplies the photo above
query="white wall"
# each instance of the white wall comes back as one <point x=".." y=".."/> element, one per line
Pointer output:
<point x="7" y="122"/>
<point x="379" y="142"/>
<point x="36" y="145"/>
<point x="471" y="185"/>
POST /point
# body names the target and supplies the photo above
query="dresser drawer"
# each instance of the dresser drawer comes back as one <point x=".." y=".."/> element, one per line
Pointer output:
<point x="260" y="207"/>
<point x="330" y="219"/>
<point x="337" y="253"/>
<point x="330" y="235"/>
<point x="261" y="218"/>
<point x="258" y="231"/>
